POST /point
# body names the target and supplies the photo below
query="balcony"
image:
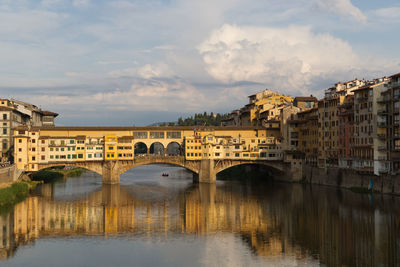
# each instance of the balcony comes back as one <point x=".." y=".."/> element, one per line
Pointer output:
<point x="382" y="148"/>
<point x="382" y="158"/>
<point x="382" y="124"/>
<point x="383" y="99"/>
<point x="382" y="112"/>
<point x="382" y="136"/>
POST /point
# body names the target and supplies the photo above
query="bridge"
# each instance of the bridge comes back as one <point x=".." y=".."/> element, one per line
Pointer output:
<point x="111" y="151"/>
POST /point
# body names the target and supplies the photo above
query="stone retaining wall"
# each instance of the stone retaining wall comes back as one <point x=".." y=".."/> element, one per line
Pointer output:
<point x="9" y="174"/>
<point x="349" y="178"/>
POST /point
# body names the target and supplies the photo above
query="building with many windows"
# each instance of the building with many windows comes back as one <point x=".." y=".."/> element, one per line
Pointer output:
<point x="14" y="113"/>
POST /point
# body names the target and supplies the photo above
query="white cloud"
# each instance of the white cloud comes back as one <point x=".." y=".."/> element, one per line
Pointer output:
<point x="81" y="3"/>
<point x="143" y="95"/>
<point x="390" y="14"/>
<point x="28" y="25"/>
<point x="283" y="57"/>
<point x="342" y="8"/>
<point x="158" y="70"/>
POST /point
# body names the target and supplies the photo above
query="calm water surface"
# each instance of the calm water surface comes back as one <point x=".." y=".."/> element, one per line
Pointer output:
<point x="151" y="220"/>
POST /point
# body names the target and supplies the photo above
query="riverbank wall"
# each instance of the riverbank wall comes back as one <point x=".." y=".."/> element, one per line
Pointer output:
<point x="9" y="174"/>
<point x="351" y="179"/>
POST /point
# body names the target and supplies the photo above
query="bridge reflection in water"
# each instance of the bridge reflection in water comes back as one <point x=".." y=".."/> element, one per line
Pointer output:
<point x="336" y="230"/>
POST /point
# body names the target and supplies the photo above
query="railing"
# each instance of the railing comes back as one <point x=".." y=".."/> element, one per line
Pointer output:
<point x="382" y="148"/>
<point x="382" y="123"/>
<point x="383" y="170"/>
<point x="382" y="158"/>
<point x="5" y="165"/>
<point x="382" y="136"/>
<point x="95" y="143"/>
<point x="383" y="99"/>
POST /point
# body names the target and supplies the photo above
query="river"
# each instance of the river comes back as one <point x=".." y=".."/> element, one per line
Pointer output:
<point x="150" y="220"/>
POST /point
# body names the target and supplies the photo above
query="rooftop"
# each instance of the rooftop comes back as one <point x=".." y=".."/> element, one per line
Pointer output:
<point x="140" y="128"/>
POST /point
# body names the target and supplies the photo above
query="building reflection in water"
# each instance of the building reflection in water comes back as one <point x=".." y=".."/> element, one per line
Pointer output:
<point x="336" y="228"/>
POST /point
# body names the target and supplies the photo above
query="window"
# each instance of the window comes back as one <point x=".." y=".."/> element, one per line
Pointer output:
<point x="217" y="154"/>
<point x="227" y="154"/>
<point x="72" y="141"/>
<point x="69" y="156"/>
<point x="51" y="157"/>
<point x="173" y="135"/>
<point x="33" y="158"/>
<point x="43" y="141"/>
<point x="19" y="149"/>
<point x="19" y="160"/>
<point x="51" y="149"/>
<point x="43" y="157"/>
<point x="80" y="156"/>
<point x="57" y="156"/>
<point x="33" y="141"/>
<point x="4" y="116"/>
<point x="140" y="135"/>
<point x="4" y="131"/>
<point x="62" y="149"/>
<point x="237" y="155"/>
<point x="156" y="135"/>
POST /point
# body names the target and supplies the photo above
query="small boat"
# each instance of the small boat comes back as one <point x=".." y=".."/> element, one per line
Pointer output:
<point x="165" y="174"/>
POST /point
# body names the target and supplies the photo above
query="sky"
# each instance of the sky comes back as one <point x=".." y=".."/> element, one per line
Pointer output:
<point x="127" y="62"/>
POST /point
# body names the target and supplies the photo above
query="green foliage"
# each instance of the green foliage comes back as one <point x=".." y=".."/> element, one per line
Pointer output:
<point x="47" y="176"/>
<point x="204" y="119"/>
<point x="76" y="172"/>
<point x="13" y="194"/>
<point x="57" y="167"/>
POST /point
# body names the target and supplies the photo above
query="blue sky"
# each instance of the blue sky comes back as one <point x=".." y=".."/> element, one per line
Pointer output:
<point x="129" y="62"/>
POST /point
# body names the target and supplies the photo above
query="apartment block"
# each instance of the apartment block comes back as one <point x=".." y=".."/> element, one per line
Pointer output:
<point x="14" y="113"/>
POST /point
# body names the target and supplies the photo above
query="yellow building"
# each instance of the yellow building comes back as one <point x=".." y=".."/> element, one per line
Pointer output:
<point x="37" y="147"/>
<point x="110" y="144"/>
<point x="262" y="106"/>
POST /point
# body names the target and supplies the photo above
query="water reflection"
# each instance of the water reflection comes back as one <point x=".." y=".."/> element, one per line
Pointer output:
<point x="312" y="225"/>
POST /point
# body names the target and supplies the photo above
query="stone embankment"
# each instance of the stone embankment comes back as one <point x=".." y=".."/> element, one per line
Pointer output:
<point x="9" y="174"/>
<point x="351" y="179"/>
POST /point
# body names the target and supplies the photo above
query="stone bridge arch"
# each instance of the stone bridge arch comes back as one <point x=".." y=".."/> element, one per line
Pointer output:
<point x="179" y="161"/>
<point x="279" y="166"/>
<point x="96" y="167"/>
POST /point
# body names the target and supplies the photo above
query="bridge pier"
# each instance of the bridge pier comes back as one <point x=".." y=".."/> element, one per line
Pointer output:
<point x="111" y="172"/>
<point x="207" y="173"/>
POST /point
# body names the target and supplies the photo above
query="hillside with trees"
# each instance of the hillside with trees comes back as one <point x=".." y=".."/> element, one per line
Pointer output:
<point x="199" y="119"/>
